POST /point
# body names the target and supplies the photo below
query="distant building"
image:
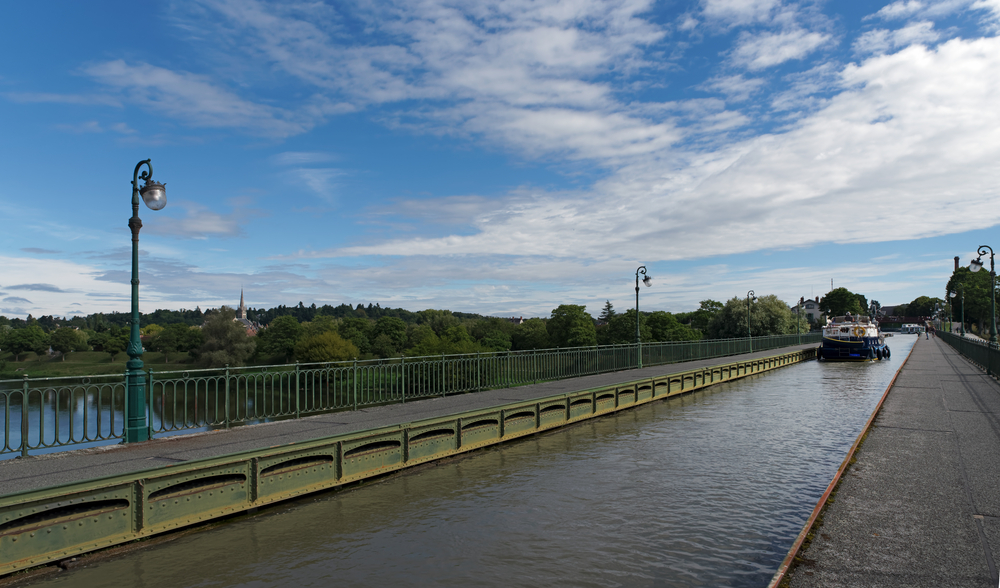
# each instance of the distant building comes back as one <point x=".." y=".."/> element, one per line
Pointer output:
<point x="241" y="317"/>
<point x="810" y="308"/>
<point x="517" y="320"/>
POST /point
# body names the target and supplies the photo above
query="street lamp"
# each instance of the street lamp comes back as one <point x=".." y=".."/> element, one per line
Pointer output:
<point x="963" y="308"/>
<point x="154" y="194"/>
<point x="975" y="266"/>
<point x="750" y="298"/>
<point x="648" y="281"/>
<point x="798" y="318"/>
<point x="951" y="311"/>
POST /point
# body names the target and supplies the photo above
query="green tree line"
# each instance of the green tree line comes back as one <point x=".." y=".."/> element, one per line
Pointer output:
<point x="337" y="333"/>
<point x="976" y="289"/>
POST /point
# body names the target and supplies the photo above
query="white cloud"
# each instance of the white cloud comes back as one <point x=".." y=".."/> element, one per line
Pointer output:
<point x="736" y="88"/>
<point x="195" y="99"/>
<point x="756" y="52"/>
<point x="905" y="9"/>
<point x="302" y="157"/>
<point x="93" y="126"/>
<point x="911" y="130"/>
<point x="165" y="284"/>
<point x="740" y="12"/>
<point x="527" y="75"/>
<point x="53" y="98"/>
<point x="123" y="129"/>
<point x="883" y="40"/>
<point x="992" y="6"/>
<point x="36" y="275"/>
<point x="805" y="89"/>
<point x="321" y="181"/>
<point x="198" y="222"/>
<point x="687" y="23"/>
<point x="900" y="9"/>
<point x="90" y="126"/>
<point x="904" y="131"/>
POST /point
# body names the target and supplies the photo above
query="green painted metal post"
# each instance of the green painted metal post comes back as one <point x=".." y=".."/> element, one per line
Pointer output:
<point x="402" y="363"/>
<point x="24" y="417"/>
<point x="798" y="315"/>
<point x="444" y="375"/>
<point x="298" y="407"/>
<point x="750" y="296"/>
<point x="355" y="379"/>
<point x="645" y="280"/>
<point x="478" y="372"/>
<point x="226" y="403"/>
<point x="975" y="266"/>
<point x="149" y="403"/>
<point x="154" y="195"/>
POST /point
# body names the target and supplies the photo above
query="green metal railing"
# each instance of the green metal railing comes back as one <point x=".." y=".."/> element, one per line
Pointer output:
<point x="46" y="414"/>
<point x="977" y="350"/>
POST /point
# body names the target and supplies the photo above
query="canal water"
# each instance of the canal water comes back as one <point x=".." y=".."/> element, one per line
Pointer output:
<point x="708" y="489"/>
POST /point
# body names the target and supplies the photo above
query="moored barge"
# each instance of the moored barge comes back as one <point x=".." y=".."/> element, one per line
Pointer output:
<point x="850" y="338"/>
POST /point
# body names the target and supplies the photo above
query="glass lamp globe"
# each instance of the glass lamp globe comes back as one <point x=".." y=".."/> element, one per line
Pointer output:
<point x="648" y="281"/>
<point x="975" y="265"/>
<point x="154" y="194"/>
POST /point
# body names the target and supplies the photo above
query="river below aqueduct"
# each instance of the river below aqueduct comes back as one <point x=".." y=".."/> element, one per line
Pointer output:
<point x="708" y="489"/>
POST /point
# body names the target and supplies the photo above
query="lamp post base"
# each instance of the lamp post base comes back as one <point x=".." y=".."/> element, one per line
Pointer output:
<point x="136" y="429"/>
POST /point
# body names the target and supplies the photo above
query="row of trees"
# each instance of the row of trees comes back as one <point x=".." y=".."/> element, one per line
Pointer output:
<point x="433" y="332"/>
<point x="841" y="301"/>
<point x="767" y="316"/>
<point x="976" y="288"/>
<point x="33" y="338"/>
<point x="920" y="306"/>
<point x="99" y="322"/>
<point x="345" y="332"/>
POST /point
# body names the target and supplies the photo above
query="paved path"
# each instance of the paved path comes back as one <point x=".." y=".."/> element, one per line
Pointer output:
<point x="921" y="506"/>
<point x="18" y="475"/>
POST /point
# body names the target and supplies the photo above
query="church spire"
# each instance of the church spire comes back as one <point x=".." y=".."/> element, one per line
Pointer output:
<point x="242" y="312"/>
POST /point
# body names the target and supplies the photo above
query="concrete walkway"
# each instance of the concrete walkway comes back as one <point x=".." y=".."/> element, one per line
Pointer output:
<point x="19" y="475"/>
<point x="921" y="506"/>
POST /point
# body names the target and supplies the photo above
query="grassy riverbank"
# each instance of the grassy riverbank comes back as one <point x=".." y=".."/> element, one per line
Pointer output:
<point x="84" y="363"/>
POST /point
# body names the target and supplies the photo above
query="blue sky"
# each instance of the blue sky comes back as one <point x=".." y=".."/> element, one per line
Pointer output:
<point x="500" y="158"/>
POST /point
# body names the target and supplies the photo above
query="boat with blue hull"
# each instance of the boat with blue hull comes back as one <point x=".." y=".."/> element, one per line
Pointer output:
<point x="850" y="338"/>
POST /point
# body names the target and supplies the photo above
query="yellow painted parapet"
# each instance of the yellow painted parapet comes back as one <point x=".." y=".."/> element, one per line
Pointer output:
<point x="42" y="526"/>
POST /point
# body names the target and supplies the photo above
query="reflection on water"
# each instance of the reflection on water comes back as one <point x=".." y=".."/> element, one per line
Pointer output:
<point x="708" y="489"/>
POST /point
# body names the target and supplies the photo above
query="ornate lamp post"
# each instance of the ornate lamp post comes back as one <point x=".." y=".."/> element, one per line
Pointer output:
<point x="798" y="318"/>
<point x="975" y="266"/>
<point x="951" y="311"/>
<point x="750" y="298"/>
<point x="963" y="309"/>
<point x="154" y="194"/>
<point x="648" y="281"/>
